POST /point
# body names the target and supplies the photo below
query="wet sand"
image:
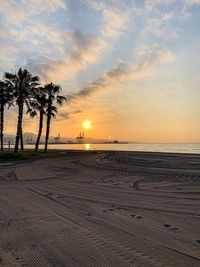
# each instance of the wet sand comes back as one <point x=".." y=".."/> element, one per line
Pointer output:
<point x="101" y="209"/>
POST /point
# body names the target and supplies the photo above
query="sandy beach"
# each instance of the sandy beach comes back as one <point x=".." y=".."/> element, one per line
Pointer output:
<point x="101" y="209"/>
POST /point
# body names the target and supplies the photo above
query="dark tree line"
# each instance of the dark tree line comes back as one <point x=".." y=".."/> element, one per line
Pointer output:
<point x="23" y="90"/>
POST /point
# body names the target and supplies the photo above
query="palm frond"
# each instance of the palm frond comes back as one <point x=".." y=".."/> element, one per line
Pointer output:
<point x="61" y="99"/>
<point x="32" y="113"/>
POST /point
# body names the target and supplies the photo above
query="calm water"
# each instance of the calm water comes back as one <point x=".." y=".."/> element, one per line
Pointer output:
<point x="176" y="148"/>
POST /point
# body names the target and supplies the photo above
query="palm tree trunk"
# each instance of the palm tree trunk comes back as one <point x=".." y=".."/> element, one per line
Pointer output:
<point x="1" y="124"/>
<point x="21" y="140"/>
<point x="19" y="126"/>
<point x="47" y="132"/>
<point x="40" y="131"/>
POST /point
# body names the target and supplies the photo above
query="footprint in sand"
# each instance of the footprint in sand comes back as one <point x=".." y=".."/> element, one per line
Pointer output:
<point x="136" y="216"/>
<point x="107" y="210"/>
<point x="171" y="227"/>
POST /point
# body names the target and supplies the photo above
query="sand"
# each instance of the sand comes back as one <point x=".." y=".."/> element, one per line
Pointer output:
<point x="101" y="209"/>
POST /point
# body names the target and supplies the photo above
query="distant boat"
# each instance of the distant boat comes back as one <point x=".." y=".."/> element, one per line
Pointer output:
<point x="115" y="142"/>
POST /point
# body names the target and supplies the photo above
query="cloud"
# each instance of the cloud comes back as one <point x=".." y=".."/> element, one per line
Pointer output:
<point x="83" y="48"/>
<point x="192" y="2"/>
<point x="78" y="111"/>
<point x="53" y="53"/>
<point x="159" y="22"/>
<point x="150" y="4"/>
<point x="113" y="77"/>
<point x="56" y="52"/>
<point x="115" y="23"/>
<point x="63" y="115"/>
<point x="22" y="9"/>
<point x="166" y="56"/>
<point x="187" y="4"/>
<point x="25" y="33"/>
<point x="115" y="17"/>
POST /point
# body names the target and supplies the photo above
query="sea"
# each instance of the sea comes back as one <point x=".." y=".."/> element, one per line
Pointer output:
<point x="145" y="147"/>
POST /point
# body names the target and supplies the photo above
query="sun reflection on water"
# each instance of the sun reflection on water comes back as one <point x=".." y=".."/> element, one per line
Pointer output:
<point x="87" y="146"/>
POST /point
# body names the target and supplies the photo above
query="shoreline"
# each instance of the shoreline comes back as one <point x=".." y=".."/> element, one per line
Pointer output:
<point x="63" y="152"/>
<point x="160" y="148"/>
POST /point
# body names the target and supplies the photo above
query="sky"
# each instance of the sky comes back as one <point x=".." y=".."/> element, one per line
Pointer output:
<point x="131" y="67"/>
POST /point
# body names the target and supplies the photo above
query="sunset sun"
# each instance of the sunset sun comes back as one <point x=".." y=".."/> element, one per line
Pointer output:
<point x="87" y="124"/>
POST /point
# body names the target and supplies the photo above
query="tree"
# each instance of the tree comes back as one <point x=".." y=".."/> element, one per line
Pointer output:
<point x="38" y="105"/>
<point x="53" y="97"/>
<point x="23" y="85"/>
<point x="5" y="99"/>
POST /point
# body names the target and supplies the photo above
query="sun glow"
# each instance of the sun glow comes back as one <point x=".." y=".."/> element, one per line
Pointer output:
<point x="87" y="146"/>
<point x="87" y="124"/>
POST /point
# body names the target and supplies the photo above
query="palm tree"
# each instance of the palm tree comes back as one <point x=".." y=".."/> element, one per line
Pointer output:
<point x="53" y="96"/>
<point x="5" y="99"/>
<point x="24" y="84"/>
<point x="38" y="104"/>
<point x="2" y="104"/>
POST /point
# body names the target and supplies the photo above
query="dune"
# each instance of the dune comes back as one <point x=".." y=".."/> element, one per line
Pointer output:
<point x="101" y="209"/>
